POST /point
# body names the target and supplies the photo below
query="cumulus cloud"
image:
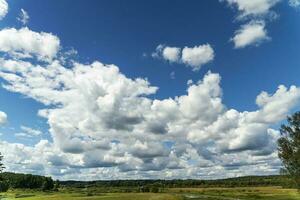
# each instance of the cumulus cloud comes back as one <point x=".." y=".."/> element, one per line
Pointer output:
<point x="252" y="33"/>
<point x="256" y="12"/>
<point x="23" y="17"/>
<point x="171" y="54"/>
<point x="194" y="57"/>
<point x="119" y="128"/>
<point x="3" y="118"/>
<point x="3" y="9"/>
<point x="252" y="8"/>
<point x="102" y="122"/>
<point x="24" y="43"/>
<point x="197" y="56"/>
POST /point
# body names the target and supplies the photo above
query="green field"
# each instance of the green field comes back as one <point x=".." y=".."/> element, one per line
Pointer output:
<point x="243" y="193"/>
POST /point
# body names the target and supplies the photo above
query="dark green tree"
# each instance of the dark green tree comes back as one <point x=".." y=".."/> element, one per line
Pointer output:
<point x="3" y="183"/>
<point x="289" y="147"/>
<point x="1" y="164"/>
<point x="48" y="184"/>
<point x="56" y="185"/>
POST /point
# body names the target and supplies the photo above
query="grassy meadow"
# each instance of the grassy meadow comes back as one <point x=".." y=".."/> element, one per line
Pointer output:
<point x="241" y="193"/>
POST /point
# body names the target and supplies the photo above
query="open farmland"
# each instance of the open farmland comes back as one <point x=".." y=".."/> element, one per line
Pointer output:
<point x="242" y="193"/>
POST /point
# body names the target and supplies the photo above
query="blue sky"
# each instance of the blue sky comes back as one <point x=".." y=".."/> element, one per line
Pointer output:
<point x="127" y="35"/>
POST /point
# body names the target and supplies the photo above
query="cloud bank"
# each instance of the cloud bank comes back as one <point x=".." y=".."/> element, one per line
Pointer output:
<point x="106" y="123"/>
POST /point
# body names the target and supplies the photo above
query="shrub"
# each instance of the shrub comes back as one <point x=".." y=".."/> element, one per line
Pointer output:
<point x="4" y="186"/>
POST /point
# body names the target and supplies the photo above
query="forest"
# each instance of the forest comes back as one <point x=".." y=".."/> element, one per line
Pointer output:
<point x="29" y="181"/>
<point x="25" y="181"/>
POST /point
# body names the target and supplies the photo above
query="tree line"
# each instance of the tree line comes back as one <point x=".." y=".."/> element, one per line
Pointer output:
<point x="276" y="180"/>
<point x="26" y="181"/>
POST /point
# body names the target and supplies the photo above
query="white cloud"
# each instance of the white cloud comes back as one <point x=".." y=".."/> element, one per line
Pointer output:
<point x="194" y="57"/>
<point x="28" y="133"/>
<point x="3" y="9"/>
<point x="158" y="51"/>
<point x="294" y="3"/>
<point x="23" y="135"/>
<point x="26" y="43"/>
<point x="102" y="122"/>
<point x="257" y="12"/>
<point x="3" y="118"/>
<point x="31" y="131"/>
<point x="252" y="8"/>
<point x="23" y="17"/>
<point x="197" y="56"/>
<point x="252" y="33"/>
<point x="236" y="131"/>
<point x="171" y="54"/>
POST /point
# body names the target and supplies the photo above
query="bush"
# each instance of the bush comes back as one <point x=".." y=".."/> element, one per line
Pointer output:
<point x="155" y="189"/>
<point x="144" y="189"/>
<point x="48" y="184"/>
<point x="56" y="186"/>
<point x="4" y="186"/>
<point x="89" y="194"/>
